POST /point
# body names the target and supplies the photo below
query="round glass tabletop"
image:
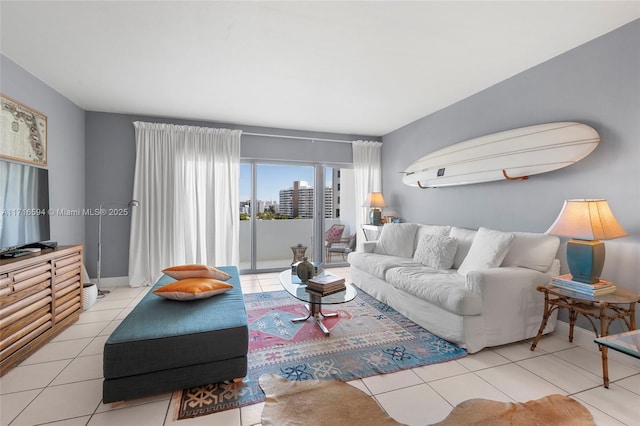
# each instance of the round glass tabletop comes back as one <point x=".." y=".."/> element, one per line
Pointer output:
<point x="297" y="289"/>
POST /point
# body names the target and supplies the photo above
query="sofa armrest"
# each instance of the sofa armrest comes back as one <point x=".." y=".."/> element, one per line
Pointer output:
<point x="488" y="281"/>
<point x="368" y="246"/>
<point x="512" y="308"/>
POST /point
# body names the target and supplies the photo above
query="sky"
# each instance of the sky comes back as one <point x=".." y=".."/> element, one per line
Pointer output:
<point x="271" y="179"/>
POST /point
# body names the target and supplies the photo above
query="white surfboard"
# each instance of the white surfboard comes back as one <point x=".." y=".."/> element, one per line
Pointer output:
<point x="510" y="155"/>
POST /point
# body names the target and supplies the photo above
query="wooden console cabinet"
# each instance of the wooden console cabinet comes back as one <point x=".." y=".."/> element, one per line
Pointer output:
<point x="40" y="295"/>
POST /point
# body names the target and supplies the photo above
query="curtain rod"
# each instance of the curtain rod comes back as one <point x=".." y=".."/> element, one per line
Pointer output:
<point x="295" y="137"/>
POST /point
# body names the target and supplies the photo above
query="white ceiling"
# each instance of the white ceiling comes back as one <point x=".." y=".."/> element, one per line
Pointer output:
<point x="366" y="67"/>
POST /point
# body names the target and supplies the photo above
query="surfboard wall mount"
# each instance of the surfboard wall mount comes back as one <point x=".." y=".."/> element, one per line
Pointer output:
<point x="512" y="155"/>
<point x="507" y="177"/>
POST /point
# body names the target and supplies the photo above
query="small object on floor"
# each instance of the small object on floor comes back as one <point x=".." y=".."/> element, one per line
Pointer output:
<point x="299" y="251"/>
<point x="89" y="295"/>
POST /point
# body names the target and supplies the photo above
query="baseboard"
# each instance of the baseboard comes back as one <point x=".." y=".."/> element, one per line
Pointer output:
<point x="585" y="337"/>
<point x="112" y="282"/>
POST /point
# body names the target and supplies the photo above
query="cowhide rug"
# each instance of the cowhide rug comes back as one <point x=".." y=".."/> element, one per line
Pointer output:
<point x="318" y="402"/>
<point x="549" y="410"/>
<point x="335" y="403"/>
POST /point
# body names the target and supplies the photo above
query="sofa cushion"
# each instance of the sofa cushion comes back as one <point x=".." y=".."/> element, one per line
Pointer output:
<point x="440" y="230"/>
<point x="443" y="288"/>
<point x="532" y="250"/>
<point x="377" y="264"/>
<point x="396" y="239"/>
<point x="488" y="250"/>
<point x="435" y="251"/>
<point x="464" y="237"/>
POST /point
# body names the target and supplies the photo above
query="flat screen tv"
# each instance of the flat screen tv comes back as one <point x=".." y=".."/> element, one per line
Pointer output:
<point x="24" y="205"/>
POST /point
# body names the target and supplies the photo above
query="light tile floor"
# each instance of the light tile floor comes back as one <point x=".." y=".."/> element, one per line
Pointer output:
<point x="61" y="384"/>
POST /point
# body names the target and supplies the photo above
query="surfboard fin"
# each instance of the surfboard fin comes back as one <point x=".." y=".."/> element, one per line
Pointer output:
<point x="422" y="187"/>
<point x="507" y="177"/>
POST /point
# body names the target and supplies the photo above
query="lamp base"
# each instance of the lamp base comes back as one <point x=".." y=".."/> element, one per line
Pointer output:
<point x="375" y="217"/>
<point x="586" y="260"/>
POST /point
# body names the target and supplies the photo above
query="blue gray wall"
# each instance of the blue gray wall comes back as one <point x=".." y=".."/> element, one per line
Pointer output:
<point x="65" y="125"/>
<point x="110" y="163"/>
<point x="598" y="84"/>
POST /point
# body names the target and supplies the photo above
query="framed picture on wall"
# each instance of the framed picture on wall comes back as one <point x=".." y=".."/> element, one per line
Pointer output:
<point x="23" y="132"/>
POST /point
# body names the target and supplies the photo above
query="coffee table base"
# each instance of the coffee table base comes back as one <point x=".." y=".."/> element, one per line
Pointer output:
<point x="315" y="311"/>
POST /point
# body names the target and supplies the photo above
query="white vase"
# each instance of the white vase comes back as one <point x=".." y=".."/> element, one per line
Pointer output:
<point x="89" y="295"/>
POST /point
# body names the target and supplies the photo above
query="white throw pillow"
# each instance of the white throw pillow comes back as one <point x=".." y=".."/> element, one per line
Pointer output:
<point x="441" y="230"/>
<point x="435" y="251"/>
<point x="533" y="251"/>
<point x="396" y="239"/>
<point x="464" y="237"/>
<point x="488" y="250"/>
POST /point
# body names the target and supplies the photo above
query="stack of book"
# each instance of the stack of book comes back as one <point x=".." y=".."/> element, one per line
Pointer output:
<point x="596" y="289"/>
<point x="325" y="284"/>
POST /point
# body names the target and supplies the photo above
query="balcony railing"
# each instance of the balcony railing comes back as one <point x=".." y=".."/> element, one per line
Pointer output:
<point x="274" y="241"/>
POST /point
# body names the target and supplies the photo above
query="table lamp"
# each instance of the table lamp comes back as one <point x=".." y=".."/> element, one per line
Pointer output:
<point x="586" y="222"/>
<point x="375" y="201"/>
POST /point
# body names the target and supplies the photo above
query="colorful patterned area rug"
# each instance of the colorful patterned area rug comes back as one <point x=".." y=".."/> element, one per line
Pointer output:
<point x="367" y="338"/>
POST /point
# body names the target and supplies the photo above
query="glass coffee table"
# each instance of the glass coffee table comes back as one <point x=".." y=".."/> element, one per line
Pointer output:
<point x="297" y="289"/>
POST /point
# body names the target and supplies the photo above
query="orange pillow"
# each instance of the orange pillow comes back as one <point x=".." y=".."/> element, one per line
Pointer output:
<point x="196" y="271"/>
<point x="192" y="288"/>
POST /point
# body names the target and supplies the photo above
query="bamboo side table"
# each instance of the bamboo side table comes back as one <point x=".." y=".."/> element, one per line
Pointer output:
<point x="604" y="309"/>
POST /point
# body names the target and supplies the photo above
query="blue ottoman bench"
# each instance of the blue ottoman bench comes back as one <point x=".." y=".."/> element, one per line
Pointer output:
<point x="167" y="345"/>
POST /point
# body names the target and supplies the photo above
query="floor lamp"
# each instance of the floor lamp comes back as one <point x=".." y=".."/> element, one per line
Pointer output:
<point x="132" y="203"/>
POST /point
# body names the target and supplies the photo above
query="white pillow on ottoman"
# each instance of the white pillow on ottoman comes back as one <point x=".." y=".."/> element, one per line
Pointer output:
<point x="436" y="252"/>
<point x="488" y="250"/>
<point x="396" y="239"/>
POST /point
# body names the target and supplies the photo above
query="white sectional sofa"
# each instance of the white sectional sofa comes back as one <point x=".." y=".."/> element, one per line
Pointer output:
<point x="475" y="288"/>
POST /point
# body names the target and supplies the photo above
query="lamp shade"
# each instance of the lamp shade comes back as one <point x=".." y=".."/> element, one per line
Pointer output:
<point x="587" y="220"/>
<point x="375" y="200"/>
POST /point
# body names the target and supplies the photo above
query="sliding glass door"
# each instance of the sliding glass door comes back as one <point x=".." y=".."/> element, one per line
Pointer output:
<point x="338" y="225"/>
<point x="284" y="213"/>
<point x="278" y="205"/>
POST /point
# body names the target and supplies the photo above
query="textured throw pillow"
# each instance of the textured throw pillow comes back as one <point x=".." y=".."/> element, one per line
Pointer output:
<point x="436" y="252"/>
<point x="192" y="289"/>
<point x="488" y="250"/>
<point x="396" y="239"/>
<point x="441" y="230"/>
<point x="465" y="238"/>
<point x="196" y="271"/>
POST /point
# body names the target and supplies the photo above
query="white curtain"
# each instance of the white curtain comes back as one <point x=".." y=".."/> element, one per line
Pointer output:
<point x="186" y="180"/>
<point x="367" y="170"/>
